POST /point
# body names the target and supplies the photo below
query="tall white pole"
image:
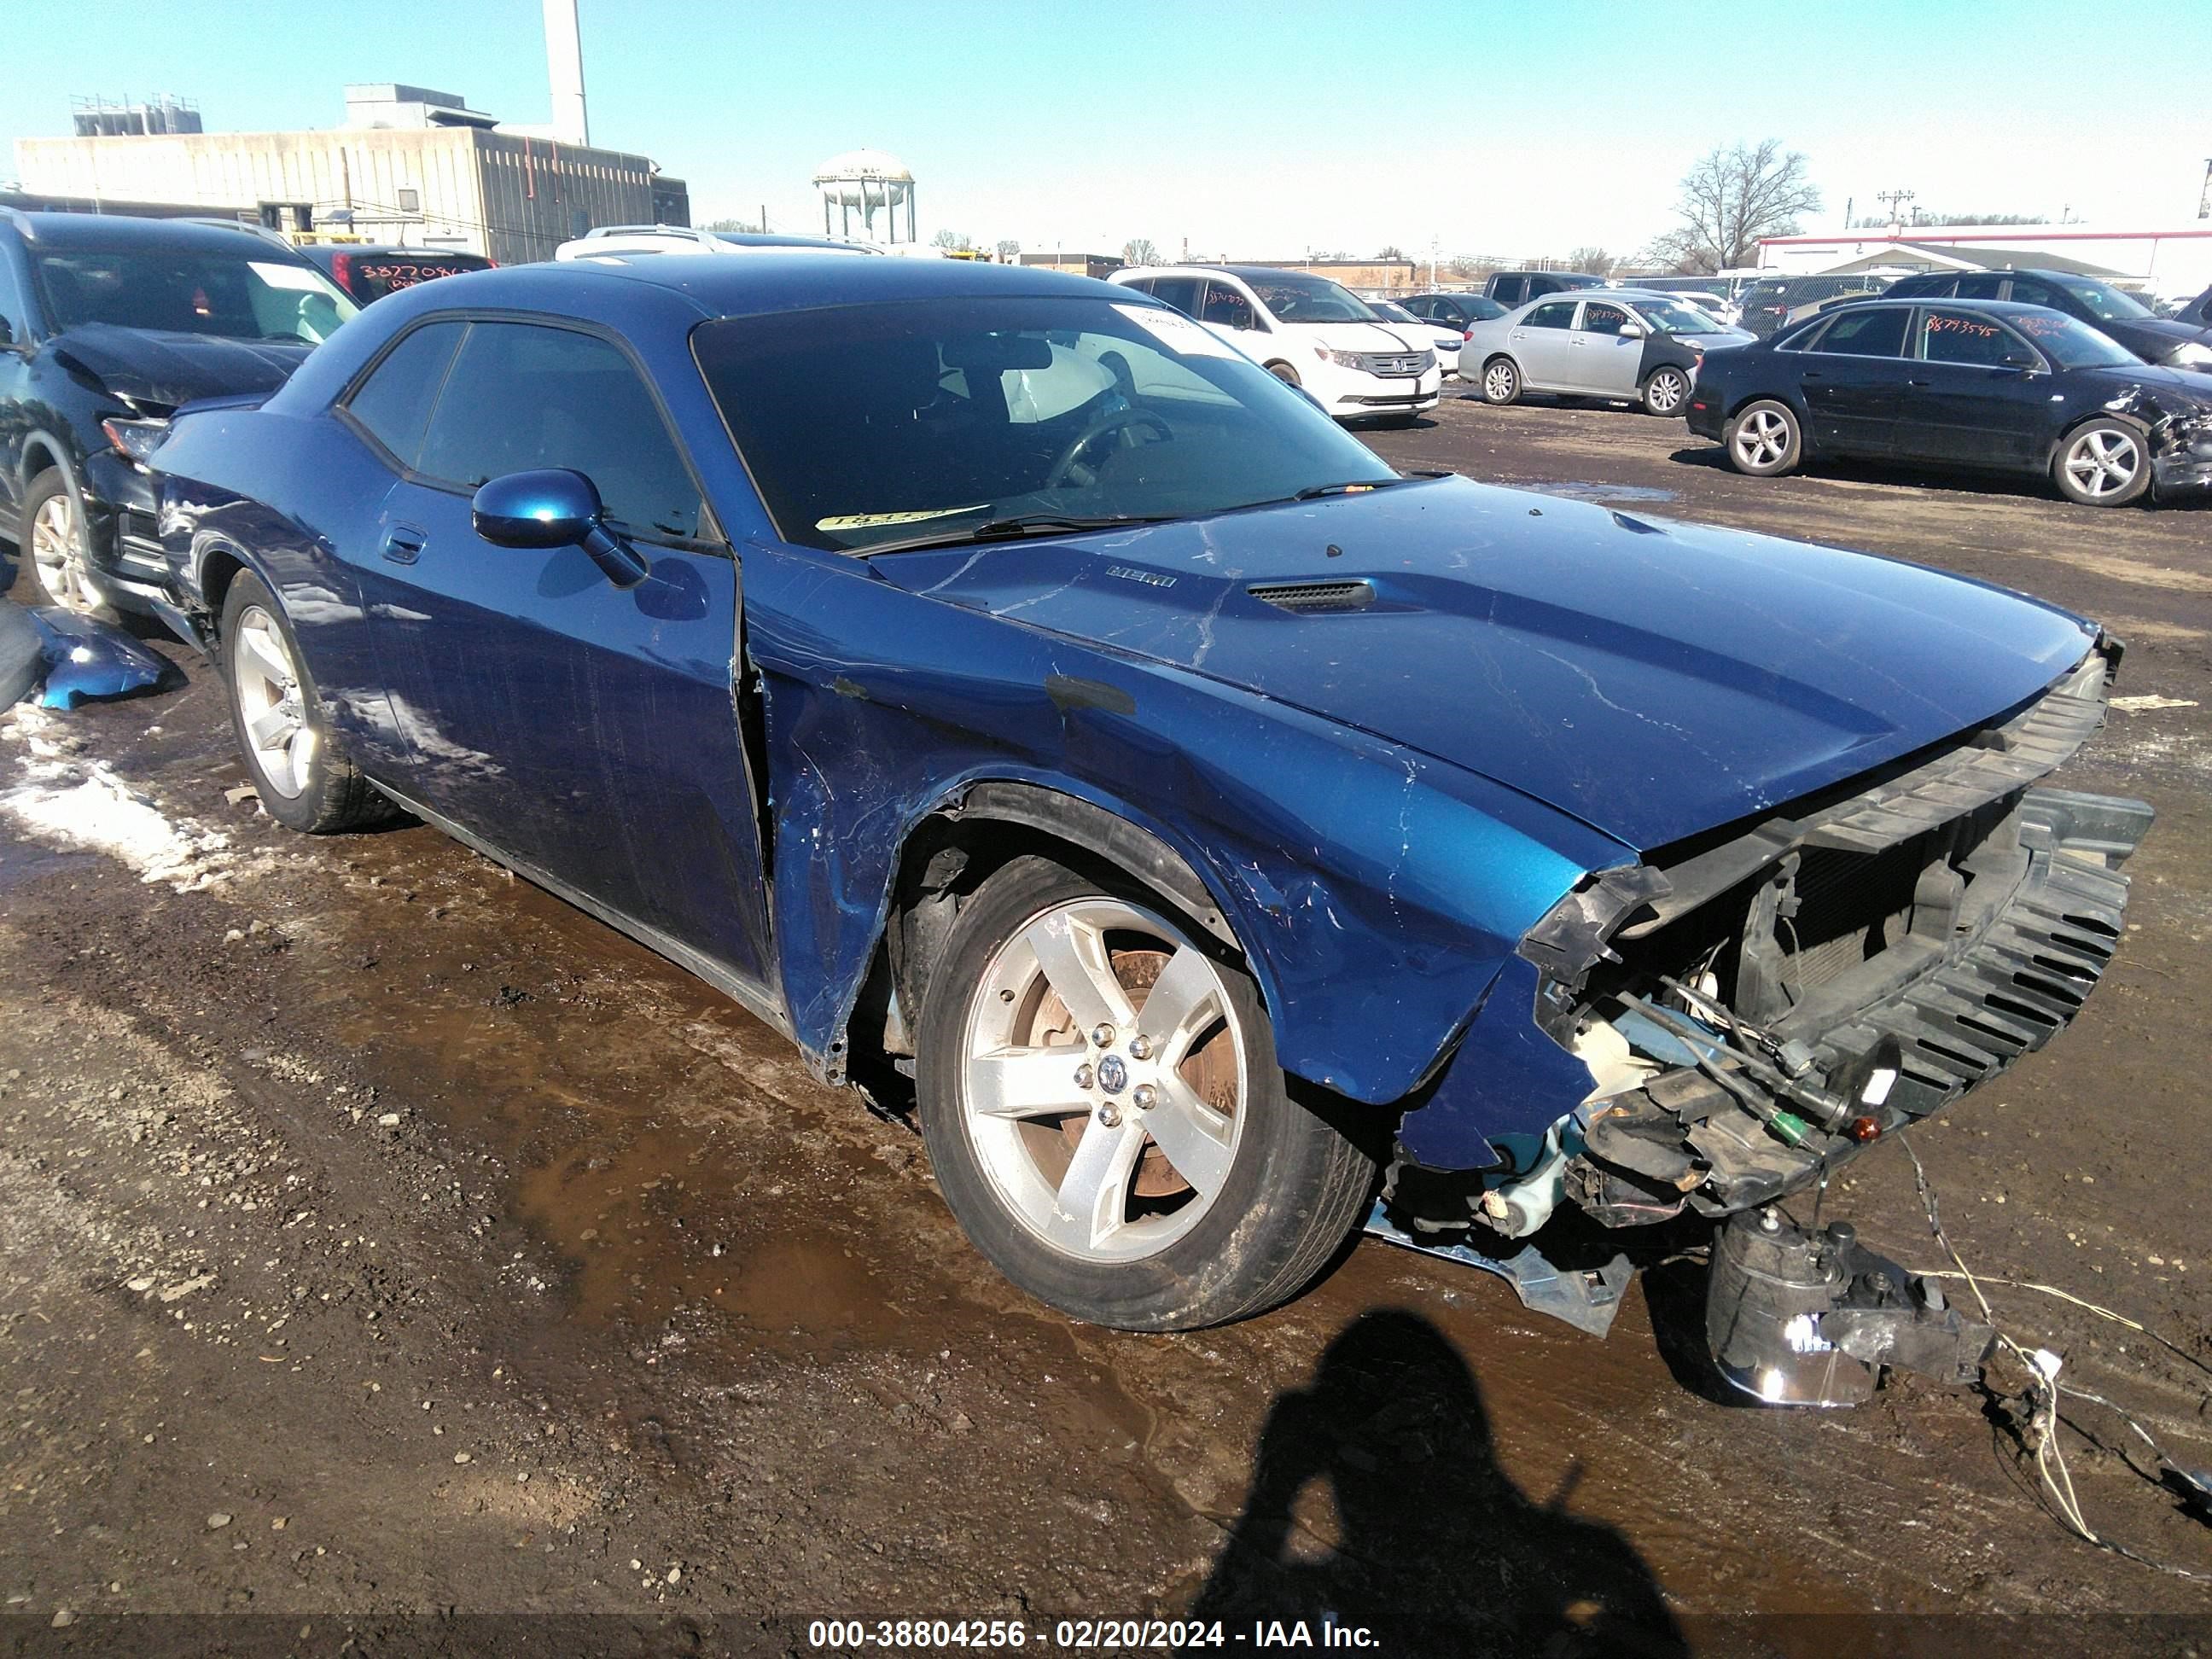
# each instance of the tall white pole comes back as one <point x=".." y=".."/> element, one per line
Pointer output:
<point x="564" y="64"/>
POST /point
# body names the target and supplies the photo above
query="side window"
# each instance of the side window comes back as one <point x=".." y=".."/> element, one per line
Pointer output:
<point x="1599" y="317"/>
<point x="1867" y="333"/>
<point x="394" y="402"/>
<point x="520" y="396"/>
<point x="13" y="312"/>
<point x="1181" y="292"/>
<point x="1962" y="336"/>
<point x="1226" y="306"/>
<point x="1559" y="313"/>
<point x="2034" y="291"/>
<point x="1979" y="288"/>
<point x="1510" y="291"/>
<point x="1424" y="309"/>
<point x="1142" y="284"/>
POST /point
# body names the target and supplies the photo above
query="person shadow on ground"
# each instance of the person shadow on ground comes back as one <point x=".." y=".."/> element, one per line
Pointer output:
<point x="1436" y="1551"/>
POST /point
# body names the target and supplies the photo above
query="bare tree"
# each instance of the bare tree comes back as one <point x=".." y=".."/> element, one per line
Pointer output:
<point x="1732" y="199"/>
<point x="1008" y="248"/>
<point x="1140" y="250"/>
<point x="1391" y="250"/>
<point x="1595" y="260"/>
<point x="950" y="238"/>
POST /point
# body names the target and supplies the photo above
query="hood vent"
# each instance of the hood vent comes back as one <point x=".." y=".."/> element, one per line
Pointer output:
<point x="1313" y="599"/>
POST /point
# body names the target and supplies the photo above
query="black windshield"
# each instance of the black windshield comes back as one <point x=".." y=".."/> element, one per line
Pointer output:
<point x="870" y="426"/>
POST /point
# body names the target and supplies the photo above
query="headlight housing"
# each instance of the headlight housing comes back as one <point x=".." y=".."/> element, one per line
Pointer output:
<point x="2193" y="354"/>
<point x="1341" y="358"/>
<point x="136" y="440"/>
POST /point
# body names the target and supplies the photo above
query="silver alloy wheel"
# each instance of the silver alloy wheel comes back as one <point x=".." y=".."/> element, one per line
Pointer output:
<point x="1104" y="1080"/>
<point x="266" y="685"/>
<point x="2104" y="462"/>
<point x="57" y="554"/>
<point x="1667" y="391"/>
<point x="1498" y="381"/>
<point x="1762" y="439"/>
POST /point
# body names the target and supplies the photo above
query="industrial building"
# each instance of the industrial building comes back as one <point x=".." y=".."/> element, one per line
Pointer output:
<point x="2175" y="263"/>
<point x="410" y="165"/>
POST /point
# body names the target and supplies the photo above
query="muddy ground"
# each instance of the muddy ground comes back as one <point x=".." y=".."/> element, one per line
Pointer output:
<point x="383" y="1242"/>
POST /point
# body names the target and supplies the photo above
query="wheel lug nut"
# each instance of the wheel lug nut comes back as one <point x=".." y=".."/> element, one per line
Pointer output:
<point x="1102" y="1036"/>
<point x="1109" y="1115"/>
<point x="1082" y="1077"/>
<point x="1143" y="1095"/>
<point x="1141" y="1045"/>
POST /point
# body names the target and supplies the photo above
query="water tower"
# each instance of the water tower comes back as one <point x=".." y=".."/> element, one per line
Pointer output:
<point x="865" y="182"/>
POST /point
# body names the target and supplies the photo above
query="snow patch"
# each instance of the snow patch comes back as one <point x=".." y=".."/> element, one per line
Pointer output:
<point x="83" y="804"/>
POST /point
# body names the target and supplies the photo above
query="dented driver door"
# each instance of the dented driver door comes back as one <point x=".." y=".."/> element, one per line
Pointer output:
<point x="587" y="730"/>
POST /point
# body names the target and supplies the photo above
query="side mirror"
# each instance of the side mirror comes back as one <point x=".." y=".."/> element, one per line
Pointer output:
<point x="553" y="507"/>
<point x="2020" y="364"/>
<point x="1633" y="331"/>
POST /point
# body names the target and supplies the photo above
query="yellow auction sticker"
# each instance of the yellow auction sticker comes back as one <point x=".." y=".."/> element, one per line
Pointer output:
<point x="871" y="520"/>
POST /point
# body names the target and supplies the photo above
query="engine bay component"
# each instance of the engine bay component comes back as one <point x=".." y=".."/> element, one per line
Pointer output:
<point x="1795" y="1318"/>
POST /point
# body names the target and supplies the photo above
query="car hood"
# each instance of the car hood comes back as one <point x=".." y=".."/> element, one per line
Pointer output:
<point x="2154" y="335"/>
<point x="147" y="367"/>
<point x="1720" y="341"/>
<point x="1654" y="679"/>
<point x="1359" y="337"/>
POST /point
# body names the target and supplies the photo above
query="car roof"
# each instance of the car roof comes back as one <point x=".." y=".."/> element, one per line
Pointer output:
<point x="767" y="280"/>
<point x="321" y="251"/>
<point x="116" y="232"/>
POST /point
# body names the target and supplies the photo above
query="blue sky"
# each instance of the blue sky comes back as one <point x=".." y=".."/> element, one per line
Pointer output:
<point x="1256" y="131"/>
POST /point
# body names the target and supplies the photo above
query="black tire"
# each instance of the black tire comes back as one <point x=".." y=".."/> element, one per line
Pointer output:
<point x="32" y="587"/>
<point x="1293" y="1188"/>
<point x="1666" y="391"/>
<point x="330" y="794"/>
<point x="2102" y="462"/>
<point x="1284" y="373"/>
<point x="1763" y="438"/>
<point x="1500" y="383"/>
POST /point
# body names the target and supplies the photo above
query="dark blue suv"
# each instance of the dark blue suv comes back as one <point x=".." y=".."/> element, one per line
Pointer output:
<point x="106" y="325"/>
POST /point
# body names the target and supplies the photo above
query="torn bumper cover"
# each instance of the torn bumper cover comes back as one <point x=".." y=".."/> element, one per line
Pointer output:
<point x="1755" y="1007"/>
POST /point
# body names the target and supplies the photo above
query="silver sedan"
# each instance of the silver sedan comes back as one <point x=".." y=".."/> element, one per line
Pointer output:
<point x="1618" y="344"/>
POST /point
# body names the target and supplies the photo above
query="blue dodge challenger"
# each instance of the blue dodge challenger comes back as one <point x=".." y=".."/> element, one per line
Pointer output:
<point x="989" y="675"/>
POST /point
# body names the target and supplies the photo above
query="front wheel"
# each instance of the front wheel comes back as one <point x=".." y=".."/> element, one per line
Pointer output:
<point x="2101" y="463"/>
<point x="1764" y="440"/>
<point x="1501" y="381"/>
<point x="1665" y="390"/>
<point x="1284" y="373"/>
<point x="56" y="547"/>
<point x="300" y="771"/>
<point x="1104" y="1113"/>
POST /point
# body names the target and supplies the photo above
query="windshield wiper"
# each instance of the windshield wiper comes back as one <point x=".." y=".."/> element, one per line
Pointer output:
<point x="1026" y="524"/>
<point x="1351" y="487"/>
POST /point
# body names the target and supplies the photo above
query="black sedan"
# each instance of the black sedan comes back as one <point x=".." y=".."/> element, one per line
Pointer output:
<point x="1979" y="384"/>
<point x="2181" y="342"/>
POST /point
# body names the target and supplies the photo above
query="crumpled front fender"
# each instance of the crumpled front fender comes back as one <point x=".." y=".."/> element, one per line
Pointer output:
<point x="1374" y="892"/>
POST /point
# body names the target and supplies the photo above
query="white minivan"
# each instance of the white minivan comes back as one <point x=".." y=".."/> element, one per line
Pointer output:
<point x="1307" y="330"/>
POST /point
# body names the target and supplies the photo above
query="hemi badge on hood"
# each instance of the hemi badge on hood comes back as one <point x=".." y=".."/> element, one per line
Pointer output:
<point x="1150" y="578"/>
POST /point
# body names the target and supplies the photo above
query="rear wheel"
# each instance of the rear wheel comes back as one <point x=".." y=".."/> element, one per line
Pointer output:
<point x="56" y="547"/>
<point x="301" y="770"/>
<point x="1106" y="1118"/>
<point x="1501" y="381"/>
<point x="1284" y="373"/>
<point x="1763" y="438"/>
<point x="2102" y="462"/>
<point x="1666" y="389"/>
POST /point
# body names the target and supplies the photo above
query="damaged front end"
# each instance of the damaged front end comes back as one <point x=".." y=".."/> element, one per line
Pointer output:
<point x="1756" y="1007"/>
<point x="2180" y="434"/>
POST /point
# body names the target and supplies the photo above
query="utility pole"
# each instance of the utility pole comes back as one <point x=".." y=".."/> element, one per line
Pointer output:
<point x="1897" y="200"/>
<point x="2204" y="196"/>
